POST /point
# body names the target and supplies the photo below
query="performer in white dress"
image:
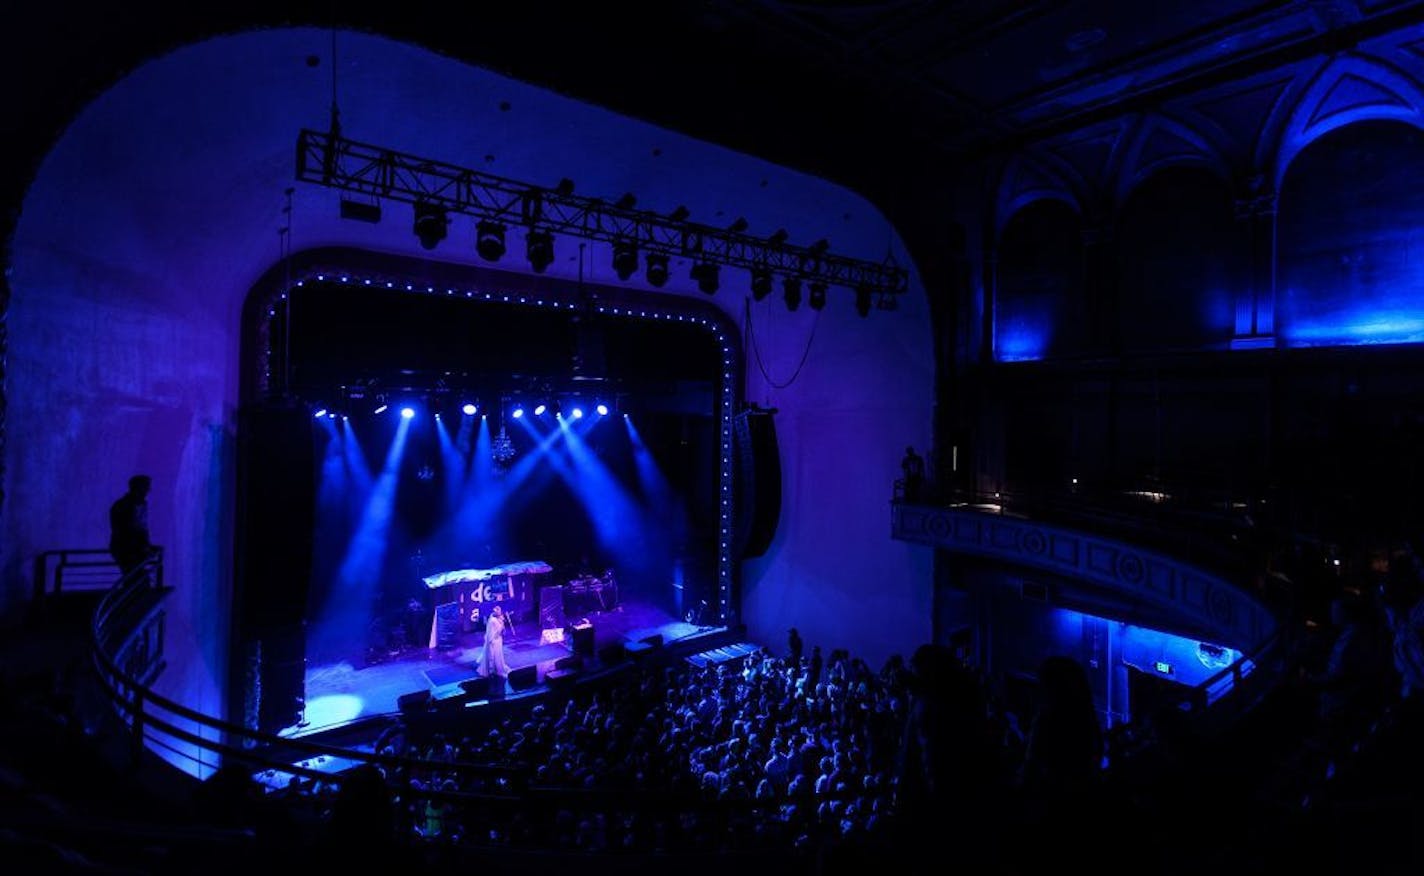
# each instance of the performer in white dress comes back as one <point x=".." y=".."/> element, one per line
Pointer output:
<point x="492" y="660"/>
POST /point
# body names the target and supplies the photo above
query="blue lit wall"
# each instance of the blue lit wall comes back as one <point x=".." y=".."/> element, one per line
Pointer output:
<point x="1178" y="263"/>
<point x="1185" y="661"/>
<point x="1024" y="617"/>
<point x="1040" y="310"/>
<point x="1172" y="281"/>
<point x="1351" y="236"/>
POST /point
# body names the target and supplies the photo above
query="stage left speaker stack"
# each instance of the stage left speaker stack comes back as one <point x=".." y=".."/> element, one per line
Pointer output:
<point x="273" y="539"/>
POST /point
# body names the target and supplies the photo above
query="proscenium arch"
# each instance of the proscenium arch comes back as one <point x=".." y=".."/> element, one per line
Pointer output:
<point x="360" y="269"/>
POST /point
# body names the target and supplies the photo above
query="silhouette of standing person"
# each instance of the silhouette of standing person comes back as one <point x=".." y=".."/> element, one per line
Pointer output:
<point x="129" y="542"/>
<point x="913" y="467"/>
<point x="1349" y="689"/>
<point x="949" y="781"/>
<point x="1061" y="774"/>
<point x="793" y="646"/>
<point x="813" y="672"/>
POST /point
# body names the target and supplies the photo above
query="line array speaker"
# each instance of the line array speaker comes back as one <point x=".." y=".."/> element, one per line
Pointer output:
<point x="758" y="481"/>
<point x="276" y="518"/>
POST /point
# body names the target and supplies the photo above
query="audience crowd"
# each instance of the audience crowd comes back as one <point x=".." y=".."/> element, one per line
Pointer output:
<point x="834" y="758"/>
<point x="789" y="754"/>
<point x="766" y="753"/>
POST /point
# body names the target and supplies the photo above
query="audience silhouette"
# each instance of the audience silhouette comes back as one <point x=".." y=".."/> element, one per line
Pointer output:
<point x="1351" y="685"/>
<point x="1060" y="779"/>
<point x="949" y="773"/>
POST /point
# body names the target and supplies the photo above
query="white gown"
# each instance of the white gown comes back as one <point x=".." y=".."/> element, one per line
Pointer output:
<point x="492" y="660"/>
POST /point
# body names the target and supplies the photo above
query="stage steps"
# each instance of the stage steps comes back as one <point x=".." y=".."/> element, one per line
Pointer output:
<point x="711" y="656"/>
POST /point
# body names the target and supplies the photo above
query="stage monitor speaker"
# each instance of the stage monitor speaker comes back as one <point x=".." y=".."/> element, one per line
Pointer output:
<point x="416" y="701"/>
<point x="476" y="688"/>
<point x="573" y="661"/>
<point x="582" y="636"/>
<point x="758" y="481"/>
<point x="524" y="677"/>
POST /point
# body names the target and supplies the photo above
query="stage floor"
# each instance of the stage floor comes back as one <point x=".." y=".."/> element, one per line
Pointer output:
<point x="340" y="693"/>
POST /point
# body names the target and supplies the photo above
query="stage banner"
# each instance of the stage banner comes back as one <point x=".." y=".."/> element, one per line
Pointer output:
<point x="475" y="591"/>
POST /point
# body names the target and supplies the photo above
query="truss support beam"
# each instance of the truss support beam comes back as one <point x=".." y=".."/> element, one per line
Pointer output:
<point x="336" y="162"/>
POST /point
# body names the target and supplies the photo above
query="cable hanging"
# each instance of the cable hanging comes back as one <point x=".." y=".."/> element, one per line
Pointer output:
<point x="756" y="350"/>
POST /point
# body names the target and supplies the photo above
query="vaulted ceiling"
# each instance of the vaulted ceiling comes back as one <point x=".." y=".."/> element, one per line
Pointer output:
<point x="841" y="88"/>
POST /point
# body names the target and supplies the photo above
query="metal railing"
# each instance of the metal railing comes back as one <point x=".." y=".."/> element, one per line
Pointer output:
<point x="1210" y="541"/>
<point x="1226" y="697"/>
<point x="1214" y="533"/>
<point x="128" y="624"/>
<point x="84" y="570"/>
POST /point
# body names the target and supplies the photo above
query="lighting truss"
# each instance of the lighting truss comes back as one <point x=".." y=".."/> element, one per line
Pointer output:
<point x="334" y="161"/>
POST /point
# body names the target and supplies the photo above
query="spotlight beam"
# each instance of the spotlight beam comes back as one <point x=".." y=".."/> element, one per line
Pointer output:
<point x="485" y="500"/>
<point x="350" y="604"/>
<point x="618" y="521"/>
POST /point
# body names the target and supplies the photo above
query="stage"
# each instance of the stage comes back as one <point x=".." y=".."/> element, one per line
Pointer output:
<point x="341" y="693"/>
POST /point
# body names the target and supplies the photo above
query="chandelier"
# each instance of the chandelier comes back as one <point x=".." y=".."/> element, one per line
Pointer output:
<point x="502" y="448"/>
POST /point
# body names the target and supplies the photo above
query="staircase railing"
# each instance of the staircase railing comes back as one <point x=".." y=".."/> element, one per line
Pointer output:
<point x="76" y="570"/>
